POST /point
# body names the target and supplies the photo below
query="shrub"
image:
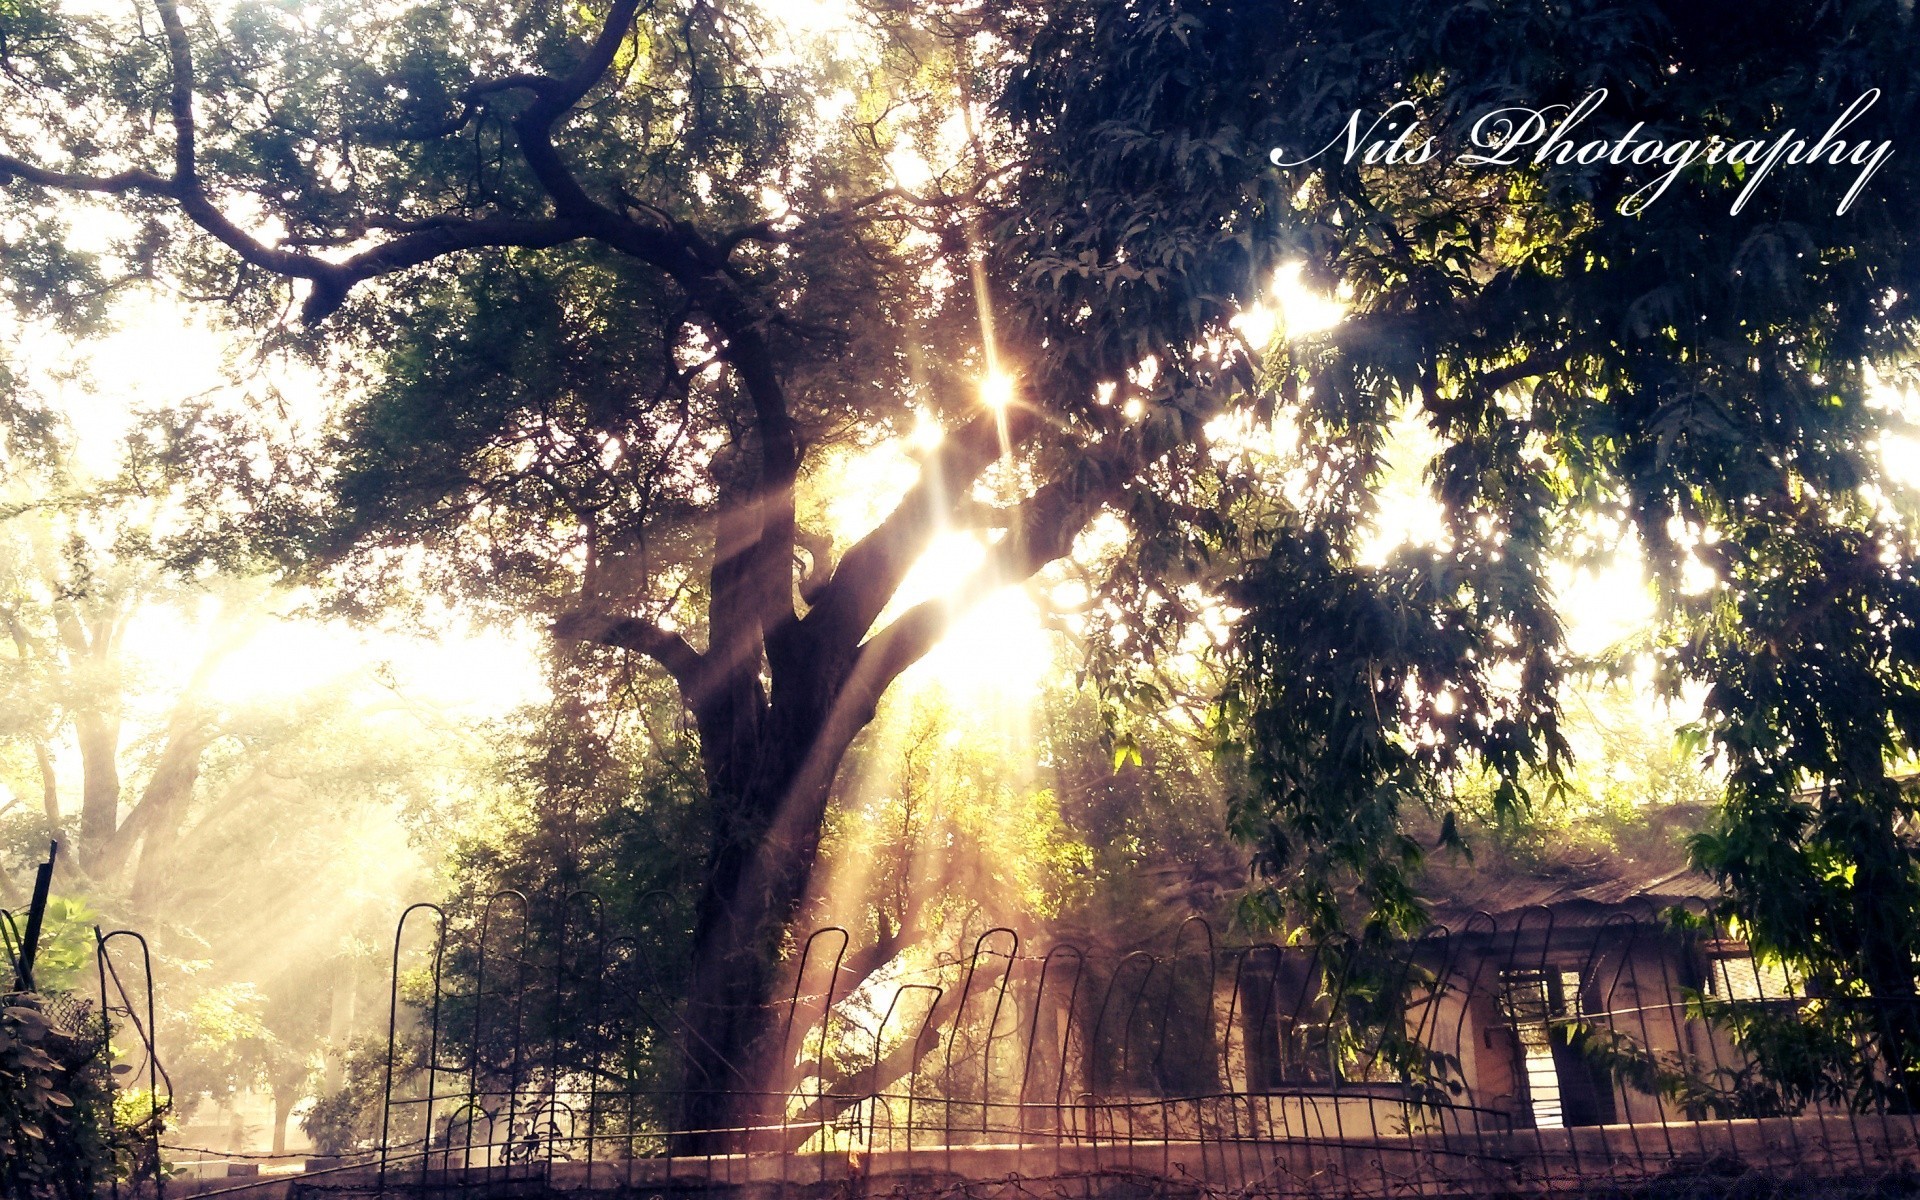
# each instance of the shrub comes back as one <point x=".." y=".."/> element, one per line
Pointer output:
<point x="58" y="1136"/>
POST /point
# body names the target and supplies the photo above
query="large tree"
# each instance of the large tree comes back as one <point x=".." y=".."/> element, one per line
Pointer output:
<point x="609" y="288"/>
<point x="613" y="429"/>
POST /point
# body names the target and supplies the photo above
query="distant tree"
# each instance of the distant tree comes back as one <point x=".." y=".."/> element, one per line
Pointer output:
<point x="240" y="1037"/>
<point x="194" y="811"/>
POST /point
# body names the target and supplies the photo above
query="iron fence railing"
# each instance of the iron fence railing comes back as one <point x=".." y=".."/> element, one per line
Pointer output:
<point x="1537" y="1052"/>
<point x="1545" y="1051"/>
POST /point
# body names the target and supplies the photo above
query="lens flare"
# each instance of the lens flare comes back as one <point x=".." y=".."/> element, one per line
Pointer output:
<point x="996" y="391"/>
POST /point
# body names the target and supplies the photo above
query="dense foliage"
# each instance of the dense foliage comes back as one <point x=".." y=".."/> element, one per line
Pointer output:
<point x="1693" y="377"/>
<point x="58" y="1137"/>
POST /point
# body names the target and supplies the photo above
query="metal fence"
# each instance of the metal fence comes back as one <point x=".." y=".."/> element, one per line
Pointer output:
<point x="1544" y="1051"/>
<point x="1549" y="1050"/>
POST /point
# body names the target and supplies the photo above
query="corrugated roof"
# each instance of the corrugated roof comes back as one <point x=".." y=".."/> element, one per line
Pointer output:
<point x="1583" y="892"/>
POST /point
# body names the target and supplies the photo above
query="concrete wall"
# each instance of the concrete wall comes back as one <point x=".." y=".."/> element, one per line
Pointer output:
<point x="1522" y="1162"/>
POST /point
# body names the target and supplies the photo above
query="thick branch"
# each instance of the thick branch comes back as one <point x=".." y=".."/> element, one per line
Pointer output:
<point x="670" y="650"/>
<point x="118" y="184"/>
<point x="871" y="570"/>
<point x="600" y="56"/>
<point x="1505" y="377"/>
<point x="155" y="819"/>
<point x="1043" y="529"/>
<point x="764" y="574"/>
<point x="180" y="94"/>
<point x="331" y="280"/>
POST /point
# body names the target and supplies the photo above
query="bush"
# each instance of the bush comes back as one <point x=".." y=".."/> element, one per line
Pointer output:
<point x="58" y="1138"/>
<point x="348" y="1119"/>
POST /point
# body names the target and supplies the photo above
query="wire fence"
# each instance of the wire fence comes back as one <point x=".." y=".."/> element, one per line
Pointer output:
<point x="1535" y="1053"/>
<point x="532" y="1051"/>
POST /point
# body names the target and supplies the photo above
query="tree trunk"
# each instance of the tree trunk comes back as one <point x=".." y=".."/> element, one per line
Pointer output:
<point x="756" y="881"/>
<point x="342" y="999"/>
<point x="1884" y="897"/>
<point x="99" y="740"/>
<point x="153" y="826"/>
<point x="1259" y="1015"/>
<point x="49" y="785"/>
<point x="283" y="1102"/>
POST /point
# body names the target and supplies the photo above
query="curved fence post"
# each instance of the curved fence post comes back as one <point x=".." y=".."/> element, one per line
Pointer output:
<point x="476" y="1091"/>
<point x="103" y="961"/>
<point x="393" y="1032"/>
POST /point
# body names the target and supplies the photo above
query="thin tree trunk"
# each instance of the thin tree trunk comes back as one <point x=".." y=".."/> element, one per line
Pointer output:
<point x="99" y="741"/>
<point x="343" y="994"/>
<point x="90" y="638"/>
<point x="49" y="785"/>
<point x="283" y="1102"/>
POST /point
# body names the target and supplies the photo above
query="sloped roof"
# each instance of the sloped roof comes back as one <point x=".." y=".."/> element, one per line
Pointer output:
<point x="1578" y="891"/>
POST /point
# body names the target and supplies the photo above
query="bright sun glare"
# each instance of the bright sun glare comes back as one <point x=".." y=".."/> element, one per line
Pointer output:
<point x="1289" y="310"/>
<point x="996" y="390"/>
<point x="997" y="649"/>
<point x="998" y="652"/>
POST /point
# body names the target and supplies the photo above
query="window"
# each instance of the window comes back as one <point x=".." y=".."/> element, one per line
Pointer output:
<point x="1740" y="976"/>
<point x="1564" y="1086"/>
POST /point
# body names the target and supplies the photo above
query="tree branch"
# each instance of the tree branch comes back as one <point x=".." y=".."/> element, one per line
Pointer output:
<point x="331" y="280"/>
<point x="1043" y="529"/>
<point x="117" y="184"/>
<point x="674" y="654"/>
<point x="180" y="93"/>
<point x="764" y="570"/>
<point x="873" y="567"/>
<point x="766" y="577"/>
